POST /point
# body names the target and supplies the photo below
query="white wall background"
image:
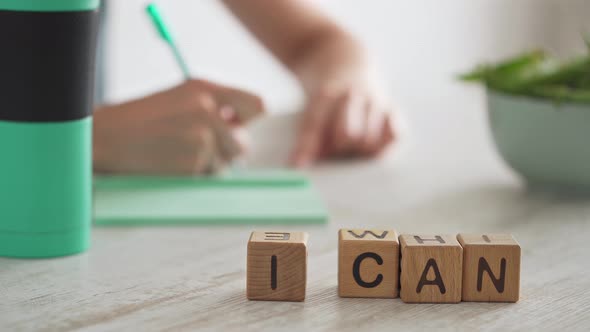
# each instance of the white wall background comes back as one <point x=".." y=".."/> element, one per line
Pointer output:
<point x="420" y="44"/>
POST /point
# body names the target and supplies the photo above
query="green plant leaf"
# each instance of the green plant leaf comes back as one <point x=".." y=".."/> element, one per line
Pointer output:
<point x="535" y="74"/>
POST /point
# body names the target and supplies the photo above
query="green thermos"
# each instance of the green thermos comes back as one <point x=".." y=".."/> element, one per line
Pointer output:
<point x="46" y="87"/>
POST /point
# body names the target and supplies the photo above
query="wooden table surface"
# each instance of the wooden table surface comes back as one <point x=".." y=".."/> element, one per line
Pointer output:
<point x="444" y="177"/>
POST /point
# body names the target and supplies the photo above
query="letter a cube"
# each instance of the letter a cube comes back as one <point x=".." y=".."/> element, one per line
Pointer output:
<point x="431" y="268"/>
<point x="368" y="263"/>
<point x="277" y="266"/>
<point x="491" y="267"/>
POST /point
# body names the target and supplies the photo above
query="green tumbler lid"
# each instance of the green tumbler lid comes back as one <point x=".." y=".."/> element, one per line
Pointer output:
<point x="48" y="5"/>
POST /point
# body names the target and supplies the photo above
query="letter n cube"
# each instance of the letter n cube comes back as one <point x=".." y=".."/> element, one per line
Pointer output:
<point x="491" y="267"/>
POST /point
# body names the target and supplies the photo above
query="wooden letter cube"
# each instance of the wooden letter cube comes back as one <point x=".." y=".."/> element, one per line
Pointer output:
<point x="431" y="268"/>
<point x="277" y="266"/>
<point x="368" y="263"/>
<point x="491" y="267"/>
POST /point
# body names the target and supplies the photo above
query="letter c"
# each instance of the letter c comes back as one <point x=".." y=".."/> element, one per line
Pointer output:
<point x="357" y="267"/>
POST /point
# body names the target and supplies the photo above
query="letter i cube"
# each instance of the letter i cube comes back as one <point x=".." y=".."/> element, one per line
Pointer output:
<point x="491" y="267"/>
<point x="368" y="263"/>
<point x="277" y="266"/>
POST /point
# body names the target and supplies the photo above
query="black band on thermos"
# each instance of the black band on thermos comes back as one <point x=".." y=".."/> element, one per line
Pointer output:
<point x="39" y="53"/>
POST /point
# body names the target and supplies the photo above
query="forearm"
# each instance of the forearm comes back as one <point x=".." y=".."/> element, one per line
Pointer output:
<point x="332" y="58"/>
<point x="305" y="40"/>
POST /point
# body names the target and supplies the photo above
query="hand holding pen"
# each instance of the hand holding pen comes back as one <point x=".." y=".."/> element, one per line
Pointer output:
<point x="225" y="109"/>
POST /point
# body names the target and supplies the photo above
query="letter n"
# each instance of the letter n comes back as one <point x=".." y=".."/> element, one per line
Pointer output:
<point x="498" y="282"/>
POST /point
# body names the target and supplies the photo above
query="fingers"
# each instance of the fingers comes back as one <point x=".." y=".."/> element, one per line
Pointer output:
<point x="242" y="138"/>
<point x="215" y="136"/>
<point x="207" y="157"/>
<point x="359" y="127"/>
<point x="347" y="125"/>
<point x="227" y="145"/>
<point x="388" y="135"/>
<point x="379" y="131"/>
<point x="350" y="125"/>
<point x="311" y="138"/>
<point x="205" y="150"/>
<point x="372" y="134"/>
<point x="244" y="105"/>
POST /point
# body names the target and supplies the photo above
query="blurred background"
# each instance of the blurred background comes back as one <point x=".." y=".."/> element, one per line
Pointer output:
<point x="420" y="45"/>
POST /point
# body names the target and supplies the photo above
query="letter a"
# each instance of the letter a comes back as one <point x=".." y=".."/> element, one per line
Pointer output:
<point x="437" y="278"/>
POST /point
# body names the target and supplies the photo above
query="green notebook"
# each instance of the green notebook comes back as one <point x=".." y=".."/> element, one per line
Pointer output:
<point x="236" y="197"/>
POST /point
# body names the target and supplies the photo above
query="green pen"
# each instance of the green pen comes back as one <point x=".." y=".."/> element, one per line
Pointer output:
<point x="164" y="32"/>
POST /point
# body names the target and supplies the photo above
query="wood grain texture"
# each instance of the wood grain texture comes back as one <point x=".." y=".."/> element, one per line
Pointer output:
<point x="277" y="266"/>
<point x="431" y="268"/>
<point x="368" y="263"/>
<point x="193" y="278"/>
<point x="491" y="267"/>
